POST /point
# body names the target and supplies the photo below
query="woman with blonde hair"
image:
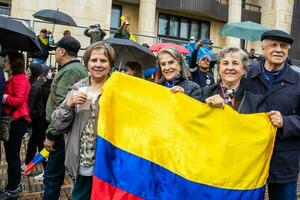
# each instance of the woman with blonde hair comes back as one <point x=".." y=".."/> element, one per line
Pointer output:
<point x="174" y="74"/>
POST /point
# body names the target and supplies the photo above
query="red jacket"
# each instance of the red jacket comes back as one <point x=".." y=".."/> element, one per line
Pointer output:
<point x="16" y="104"/>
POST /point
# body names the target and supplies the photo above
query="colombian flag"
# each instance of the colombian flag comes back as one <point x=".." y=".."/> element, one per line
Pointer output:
<point x="153" y="144"/>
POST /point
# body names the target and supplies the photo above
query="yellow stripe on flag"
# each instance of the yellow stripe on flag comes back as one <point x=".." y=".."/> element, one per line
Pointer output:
<point x="217" y="147"/>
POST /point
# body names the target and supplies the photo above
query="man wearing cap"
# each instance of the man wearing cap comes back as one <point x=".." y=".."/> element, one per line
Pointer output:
<point x="200" y="69"/>
<point x="280" y="86"/>
<point x="123" y="31"/>
<point x="71" y="71"/>
<point x="41" y="56"/>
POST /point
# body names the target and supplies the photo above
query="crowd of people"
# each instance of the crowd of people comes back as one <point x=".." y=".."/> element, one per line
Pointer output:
<point x="61" y="110"/>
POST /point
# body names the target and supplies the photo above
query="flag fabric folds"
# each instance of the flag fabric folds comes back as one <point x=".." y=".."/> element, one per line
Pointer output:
<point x="40" y="157"/>
<point x="154" y="144"/>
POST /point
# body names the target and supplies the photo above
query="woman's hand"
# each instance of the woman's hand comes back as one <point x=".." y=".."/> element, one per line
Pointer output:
<point x="215" y="101"/>
<point x="276" y="118"/>
<point x="177" y="88"/>
<point x="76" y="98"/>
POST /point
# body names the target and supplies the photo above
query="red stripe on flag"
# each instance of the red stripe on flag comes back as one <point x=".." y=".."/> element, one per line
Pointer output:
<point x="105" y="191"/>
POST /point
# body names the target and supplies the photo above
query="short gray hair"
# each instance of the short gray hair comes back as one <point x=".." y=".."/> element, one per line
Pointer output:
<point x="225" y="51"/>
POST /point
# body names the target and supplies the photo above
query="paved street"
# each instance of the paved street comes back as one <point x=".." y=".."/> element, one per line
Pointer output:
<point x="32" y="189"/>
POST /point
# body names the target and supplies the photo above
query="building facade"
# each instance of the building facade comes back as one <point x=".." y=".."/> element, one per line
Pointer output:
<point x="155" y="21"/>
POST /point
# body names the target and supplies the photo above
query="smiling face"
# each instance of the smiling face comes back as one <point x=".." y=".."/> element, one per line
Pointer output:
<point x="275" y="52"/>
<point x="170" y="67"/>
<point x="231" y="69"/>
<point x="98" y="65"/>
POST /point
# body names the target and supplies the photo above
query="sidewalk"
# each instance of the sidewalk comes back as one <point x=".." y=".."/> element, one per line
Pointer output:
<point x="32" y="189"/>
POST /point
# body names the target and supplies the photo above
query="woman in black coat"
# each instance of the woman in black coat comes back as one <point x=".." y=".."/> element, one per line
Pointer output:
<point x="174" y="73"/>
<point x="37" y="104"/>
<point x="232" y="68"/>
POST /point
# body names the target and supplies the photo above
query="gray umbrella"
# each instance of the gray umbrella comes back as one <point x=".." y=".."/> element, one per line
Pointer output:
<point x="55" y="16"/>
<point x="14" y="35"/>
<point x="127" y="51"/>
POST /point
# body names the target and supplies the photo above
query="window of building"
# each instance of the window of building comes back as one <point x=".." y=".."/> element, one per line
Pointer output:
<point x="184" y="28"/>
<point x="5" y="7"/>
<point x="181" y="28"/>
<point x="116" y="12"/>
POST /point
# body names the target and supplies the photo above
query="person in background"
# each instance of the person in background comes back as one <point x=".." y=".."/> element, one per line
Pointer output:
<point x="15" y="104"/>
<point x="78" y="115"/>
<point x="191" y="47"/>
<point x="174" y="75"/>
<point x="252" y="54"/>
<point x="123" y="31"/>
<point x="67" y="33"/>
<point x="232" y="66"/>
<point x="95" y="33"/>
<point x="200" y="69"/>
<point x="41" y="56"/>
<point x="134" y="69"/>
<point x="37" y="106"/>
<point x="71" y="71"/>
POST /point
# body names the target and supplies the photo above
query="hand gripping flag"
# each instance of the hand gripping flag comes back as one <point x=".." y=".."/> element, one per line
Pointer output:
<point x="40" y="157"/>
<point x="154" y="144"/>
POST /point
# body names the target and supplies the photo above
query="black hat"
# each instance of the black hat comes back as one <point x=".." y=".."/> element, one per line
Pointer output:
<point x="277" y="35"/>
<point x="43" y="30"/>
<point x="36" y="69"/>
<point x="69" y="43"/>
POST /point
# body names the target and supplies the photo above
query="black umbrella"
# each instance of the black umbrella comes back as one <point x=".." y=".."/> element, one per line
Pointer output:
<point x="55" y="16"/>
<point x="14" y="35"/>
<point x="127" y="50"/>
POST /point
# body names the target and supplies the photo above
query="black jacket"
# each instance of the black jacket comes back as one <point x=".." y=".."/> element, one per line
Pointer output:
<point x="201" y="78"/>
<point x="283" y="96"/>
<point x="190" y="88"/>
<point x="245" y="101"/>
<point x="37" y="103"/>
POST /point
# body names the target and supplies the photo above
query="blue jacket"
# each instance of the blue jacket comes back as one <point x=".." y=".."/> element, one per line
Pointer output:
<point x="201" y="78"/>
<point x="2" y="82"/>
<point x="283" y="96"/>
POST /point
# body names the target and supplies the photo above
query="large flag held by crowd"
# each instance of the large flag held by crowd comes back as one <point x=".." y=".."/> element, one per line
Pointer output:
<point x="153" y="144"/>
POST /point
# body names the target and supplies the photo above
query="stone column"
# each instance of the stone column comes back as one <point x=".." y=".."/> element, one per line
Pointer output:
<point x="147" y="21"/>
<point x="234" y="15"/>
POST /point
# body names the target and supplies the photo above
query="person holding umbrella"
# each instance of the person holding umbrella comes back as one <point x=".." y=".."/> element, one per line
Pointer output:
<point x="174" y="75"/>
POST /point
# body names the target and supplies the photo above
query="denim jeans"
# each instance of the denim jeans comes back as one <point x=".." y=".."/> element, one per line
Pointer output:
<point x="287" y="191"/>
<point x="55" y="171"/>
<point x="12" y="152"/>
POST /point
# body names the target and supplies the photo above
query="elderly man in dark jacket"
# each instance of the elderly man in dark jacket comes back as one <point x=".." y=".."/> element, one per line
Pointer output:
<point x="280" y="85"/>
